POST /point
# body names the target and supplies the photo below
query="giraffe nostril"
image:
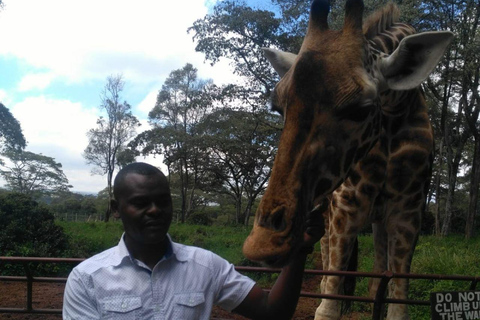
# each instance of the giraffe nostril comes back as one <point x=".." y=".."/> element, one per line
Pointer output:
<point x="278" y="220"/>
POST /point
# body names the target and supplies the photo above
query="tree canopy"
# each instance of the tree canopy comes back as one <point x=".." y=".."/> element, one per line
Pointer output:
<point x="11" y="135"/>
<point x="33" y="174"/>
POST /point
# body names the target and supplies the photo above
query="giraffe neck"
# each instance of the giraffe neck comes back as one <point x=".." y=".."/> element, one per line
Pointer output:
<point x="384" y="33"/>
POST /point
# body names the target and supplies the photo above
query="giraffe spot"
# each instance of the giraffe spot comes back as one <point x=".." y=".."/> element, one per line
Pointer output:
<point x="368" y="190"/>
<point x="415" y="202"/>
<point x="333" y="240"/>
<point x="374" y="168"/>
<point x="419" y="120"/>
<point x="415" y="186"/>
<point x="349" y="198"/>
<point x="407" y="234"/>
<point x="339" y="225"/>
<point x="333" y="257"/>
<point x="409" y="137"/>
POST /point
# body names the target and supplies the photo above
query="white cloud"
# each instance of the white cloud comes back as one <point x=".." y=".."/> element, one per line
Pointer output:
<point x="92" y="38"/>
<point x="59" y="123"/>
<point x="147" y="104"/>
<point x="57" y="128"/>
<point x="83" y="42"/>
<point x="34" y="81"/>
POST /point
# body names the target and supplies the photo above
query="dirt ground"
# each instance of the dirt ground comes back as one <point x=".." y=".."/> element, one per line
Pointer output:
<point x="50" y="296"/>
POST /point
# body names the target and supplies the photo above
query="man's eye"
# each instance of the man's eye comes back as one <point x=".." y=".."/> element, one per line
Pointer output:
<point x="139" y="202"/>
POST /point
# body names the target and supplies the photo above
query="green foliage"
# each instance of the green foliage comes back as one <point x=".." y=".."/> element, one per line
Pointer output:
<point x="224" y="241"/>
<point x="89" y="238"/>
<point x="71" y="206"/>
<point x="200" y="218"/>
<point x="11" y="135"/>
<point x="33" y="174"/>
<point x="28" y="228"/>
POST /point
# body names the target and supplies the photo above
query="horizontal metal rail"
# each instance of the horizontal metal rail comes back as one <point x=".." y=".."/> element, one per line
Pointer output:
<point x="379" y="301"/>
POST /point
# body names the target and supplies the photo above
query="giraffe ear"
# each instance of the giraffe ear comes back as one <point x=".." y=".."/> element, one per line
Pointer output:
<point x="414" y="59"/>
<point x="281" y="61"/>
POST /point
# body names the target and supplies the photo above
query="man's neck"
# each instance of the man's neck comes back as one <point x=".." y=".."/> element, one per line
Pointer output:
<point x="150" y="254"/>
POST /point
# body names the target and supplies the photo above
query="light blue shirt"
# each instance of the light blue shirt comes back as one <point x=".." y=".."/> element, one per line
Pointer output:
<point x="185" y="284"/>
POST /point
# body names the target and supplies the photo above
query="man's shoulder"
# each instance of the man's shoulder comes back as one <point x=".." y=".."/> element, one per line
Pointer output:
<point x="196" y="255"/>
<point x="101" y="260"/>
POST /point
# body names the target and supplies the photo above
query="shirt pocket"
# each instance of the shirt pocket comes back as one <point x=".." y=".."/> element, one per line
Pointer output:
<point x="188" y="306"/>
<point x="122" y="308"/>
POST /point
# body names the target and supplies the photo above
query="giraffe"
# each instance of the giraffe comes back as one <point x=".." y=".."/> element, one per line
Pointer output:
<point x="356" y="131"/>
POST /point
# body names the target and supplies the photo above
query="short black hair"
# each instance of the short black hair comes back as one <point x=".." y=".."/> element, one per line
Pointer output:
<point x="136" y="167"/>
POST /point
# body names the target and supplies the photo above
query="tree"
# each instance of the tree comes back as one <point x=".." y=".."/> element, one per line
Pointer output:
<point x="239" y="32"/>
<point x="28" y="228"/>
<point x="454" y="87"/>
<point x="33" y="174"/>
<point x="239" y="150"/>
<point x="11" y="135"/>
<point x="112" y="133"/>
<point x="181" y="103"/>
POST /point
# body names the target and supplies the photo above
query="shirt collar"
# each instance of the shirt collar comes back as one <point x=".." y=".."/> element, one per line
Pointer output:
<point x="173" y="249"/>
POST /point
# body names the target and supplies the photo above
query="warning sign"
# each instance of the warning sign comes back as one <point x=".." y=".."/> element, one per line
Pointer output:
<point x="455" y="305"/>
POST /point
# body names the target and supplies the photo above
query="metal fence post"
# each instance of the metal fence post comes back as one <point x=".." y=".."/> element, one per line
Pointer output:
<point x="28" y="273"/>
<point x="379" y="304"/>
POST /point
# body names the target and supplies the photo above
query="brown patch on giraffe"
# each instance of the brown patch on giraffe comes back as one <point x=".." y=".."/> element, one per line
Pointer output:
<point x="339" y="224"/>
<point x="334" y="240"/>
<point x="349" y="198"/>
<point x="368" y="189"/>
<point x="415" y="201"/>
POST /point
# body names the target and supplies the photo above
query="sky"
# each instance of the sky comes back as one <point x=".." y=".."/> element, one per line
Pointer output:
<point x="56" y="56"/>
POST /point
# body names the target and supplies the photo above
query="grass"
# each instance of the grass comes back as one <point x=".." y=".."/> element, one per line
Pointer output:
<point x="452" y="255"/>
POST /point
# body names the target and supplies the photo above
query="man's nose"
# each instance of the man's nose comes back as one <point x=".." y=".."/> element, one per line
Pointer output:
<point x="153" y="209"/>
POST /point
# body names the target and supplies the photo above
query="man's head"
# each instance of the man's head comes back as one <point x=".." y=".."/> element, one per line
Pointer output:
<point x="143" y="202"/>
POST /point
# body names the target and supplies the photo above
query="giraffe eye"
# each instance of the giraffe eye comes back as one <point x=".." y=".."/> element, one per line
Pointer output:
<point x="355" y="112"/>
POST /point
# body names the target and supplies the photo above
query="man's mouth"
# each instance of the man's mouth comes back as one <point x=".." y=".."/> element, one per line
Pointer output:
<point x="153" y="224"/>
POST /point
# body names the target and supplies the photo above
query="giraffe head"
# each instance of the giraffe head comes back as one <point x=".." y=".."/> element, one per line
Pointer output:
<point x="329" y="98"/>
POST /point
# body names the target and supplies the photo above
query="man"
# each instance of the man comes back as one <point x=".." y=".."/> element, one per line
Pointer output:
<point x="148" y="276"/>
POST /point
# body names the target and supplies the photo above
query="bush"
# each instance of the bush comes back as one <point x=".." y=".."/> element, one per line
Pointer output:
<point x="28" y="228"/>
<point x="200" y="218"/>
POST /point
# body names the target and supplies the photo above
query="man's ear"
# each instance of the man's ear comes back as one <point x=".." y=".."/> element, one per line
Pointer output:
<point x="281" y="61"/>
<point x="414" y="59"/>
<point x="114" y="208"/>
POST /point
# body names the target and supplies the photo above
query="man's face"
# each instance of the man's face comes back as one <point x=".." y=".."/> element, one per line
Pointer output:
<point x="145" y="207"/>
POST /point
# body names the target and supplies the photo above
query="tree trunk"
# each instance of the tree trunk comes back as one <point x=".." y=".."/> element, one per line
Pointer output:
<point x="247" y="212"/>
<point x="238" y="209"/>
<point x="452" y="182"/>
<point x="474" y="183"/>
<point x="437" y="190"/>
<point x="110" y="196"/>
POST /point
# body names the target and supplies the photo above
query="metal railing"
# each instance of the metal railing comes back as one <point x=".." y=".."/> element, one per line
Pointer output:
<point x="378" y="301"/>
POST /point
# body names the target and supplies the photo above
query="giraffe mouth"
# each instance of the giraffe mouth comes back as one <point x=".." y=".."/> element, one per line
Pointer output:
<point x="274" y="244"/>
